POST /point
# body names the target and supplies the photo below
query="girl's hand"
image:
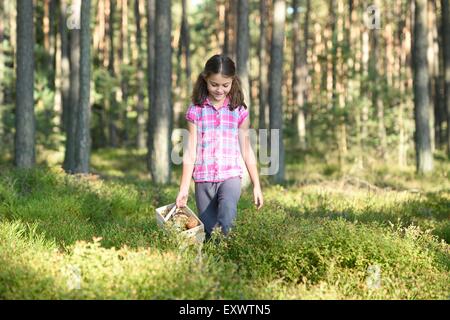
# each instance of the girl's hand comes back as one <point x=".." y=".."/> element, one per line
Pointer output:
<point x="182" y="199"/>
<point x="258" y="198"/>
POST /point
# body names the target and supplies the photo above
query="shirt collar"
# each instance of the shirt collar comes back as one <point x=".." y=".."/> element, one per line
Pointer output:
<point x="226" y="103"/>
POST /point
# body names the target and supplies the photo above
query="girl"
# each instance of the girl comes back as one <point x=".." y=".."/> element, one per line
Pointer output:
<point x="218" y="124"/>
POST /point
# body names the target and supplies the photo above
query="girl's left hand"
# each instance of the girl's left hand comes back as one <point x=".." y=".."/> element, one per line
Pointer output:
<point x="258" y="197"/>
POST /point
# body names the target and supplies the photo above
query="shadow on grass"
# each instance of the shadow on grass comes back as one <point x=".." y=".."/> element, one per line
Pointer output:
<point x="430" y="213"/>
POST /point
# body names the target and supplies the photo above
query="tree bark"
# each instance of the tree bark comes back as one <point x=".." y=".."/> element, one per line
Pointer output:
<point x="64" y="65"/>
<point x="446" y="49"/>
<point x="376" y="81"/>
<point x="151" y="33"/>
<point x="2" y="68"/>
<point x="24" y="116"/>
<point x="276" y="79"/>
<point x="82" y="145"/>
<point x="242" y="63"/>
<point x="242" y="48"/>
<point x="140" y="136"/>
<point x="161" y="121"/>
<point x="300" y="72"/>
<point x="263" y="87"/>
<point x="424" y="157"/>
<point x="69" y="157"/>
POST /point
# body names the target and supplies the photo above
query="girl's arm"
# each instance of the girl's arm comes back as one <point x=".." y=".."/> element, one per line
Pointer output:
<point x="189" y="157"/>
<point x="250" y="161"/>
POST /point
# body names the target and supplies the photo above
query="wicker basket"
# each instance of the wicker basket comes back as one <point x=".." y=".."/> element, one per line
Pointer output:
<point x="197" y="234"/>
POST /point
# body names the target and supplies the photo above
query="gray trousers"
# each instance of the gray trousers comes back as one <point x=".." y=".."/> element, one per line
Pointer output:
<point x="217" y="203"/>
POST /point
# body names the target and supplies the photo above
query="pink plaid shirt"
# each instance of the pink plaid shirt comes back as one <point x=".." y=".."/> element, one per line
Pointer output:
<point x="218" y="151"/>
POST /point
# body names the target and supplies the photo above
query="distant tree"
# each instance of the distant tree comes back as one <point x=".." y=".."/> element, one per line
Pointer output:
<point x="150" y="75"/>
<point x="424" y="157"/>
<point x="262" y="73"/>
<point x="82" y="145"/>
<point x="71" y="125"/>
<point x="446" y="48"/>
<point x="300" y="70"/>
<point x="25" y="120"/>
<point x="276" y="79"/>
<point x="161" y="111"/>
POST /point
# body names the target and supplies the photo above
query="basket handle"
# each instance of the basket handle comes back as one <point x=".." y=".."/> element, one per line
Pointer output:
<point x="167" y="217"/>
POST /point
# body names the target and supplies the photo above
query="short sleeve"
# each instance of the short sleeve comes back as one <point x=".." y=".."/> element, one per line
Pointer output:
<point x="191" y="114"/>
<point x="243" y="113"/>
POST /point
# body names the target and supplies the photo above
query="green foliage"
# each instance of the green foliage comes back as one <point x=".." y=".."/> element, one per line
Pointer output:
<point x="85" y="237"/>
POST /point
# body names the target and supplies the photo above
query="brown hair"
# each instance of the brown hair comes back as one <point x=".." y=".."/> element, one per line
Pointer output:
<point x="225" y="66"/>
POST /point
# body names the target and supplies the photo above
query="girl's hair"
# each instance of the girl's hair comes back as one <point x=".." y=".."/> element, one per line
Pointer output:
<point x="225" y="66"/>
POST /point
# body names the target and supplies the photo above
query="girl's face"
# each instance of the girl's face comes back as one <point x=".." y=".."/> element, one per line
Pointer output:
<point x="218" y="86"/>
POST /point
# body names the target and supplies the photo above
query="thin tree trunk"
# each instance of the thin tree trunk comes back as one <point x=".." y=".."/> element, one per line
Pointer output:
<point x="25" y="119"/>
<point x="446" y="48"/>
<point x="124" y="61"/>
<point x="376" y="80"/>
<point x="300" y="72"/>
<point x="186" y="41"/>
<point x="424" y="155"/>
<point x="243" y="44"/>
<point x="161" y="124"/>
<point x="2" y="68"/>
<point x="82" y="146"/>
<point x="140" y="136"/>
<point x="263" y="107"/>
<point x="276" y="79"/>
<point x="401" y="52"/>
<point x="364" y="90"/>
<point x="69" y="157"/>
<point x="12" y="28"/>
<point x="63" y="66"/>
<point x="221" y="31"/>
<point x="151" y="75"/>
<point x="230" y="27"/>
<point x="433" y="71"/>
<point x="113" y="113"/>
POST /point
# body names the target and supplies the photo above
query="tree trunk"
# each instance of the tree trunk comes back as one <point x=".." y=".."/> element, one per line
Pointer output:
<point x="186" y="41"/>
<point x="140" y="136"/>
<point x="401" y="53"/>
<point x="242" y="63"/>
<point x="424" y="157"/>
<point x="124" y="61"/>
<point x="263" y="107"/>
<point x="2" y="68"/>
<point x="161" y="124"/>
<point x="69" y="157"/>
<point x="433" y="72"/>
<point x="113" y="106"/>
<point x="376" y="81"/>
<point x="363" y="92"/>
<point x="25" y="119"/>
<point x="63" y="66"/>
<point x="242" y="48"/>
<point x="230" y="25"/>
<point x="300" y="72"/>
<point x="446" y="48"/>
<point x="276" y="79"/>
<point x="82" y="146"/>
<point x="151" y="75"/>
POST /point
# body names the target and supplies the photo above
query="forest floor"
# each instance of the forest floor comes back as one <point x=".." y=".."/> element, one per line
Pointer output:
<point x="328" y="233"/>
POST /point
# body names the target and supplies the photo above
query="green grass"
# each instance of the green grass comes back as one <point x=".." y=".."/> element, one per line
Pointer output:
<point x="317" y="237"/>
